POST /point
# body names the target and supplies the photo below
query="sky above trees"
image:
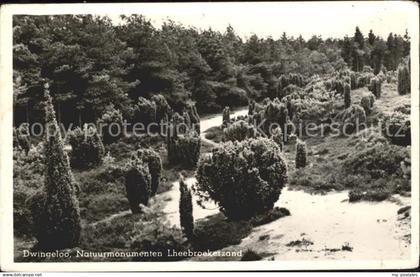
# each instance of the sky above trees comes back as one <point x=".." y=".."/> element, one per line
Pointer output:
<point x="272" y="19"/>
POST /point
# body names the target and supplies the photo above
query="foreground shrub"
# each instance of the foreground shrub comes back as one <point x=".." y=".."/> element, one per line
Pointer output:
<point x="396" y="127"/>
<point x="154" y="162"/>
<point x="151" y="234"/>
<point x="300" y="154"/>
<point x="404" y="79"/>
<point x="239" y="130"/>
<point x="87" y="147"/>
<point x="186" y="210"/>
<point x="56" y="213"/>
<point x="244" y="178"/>
<point x="250" y="255"/>
<point x="137" y="184"/>
<point x="110" y="125"/>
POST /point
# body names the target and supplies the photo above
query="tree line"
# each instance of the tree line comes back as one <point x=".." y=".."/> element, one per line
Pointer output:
<point x="92" y="64"/>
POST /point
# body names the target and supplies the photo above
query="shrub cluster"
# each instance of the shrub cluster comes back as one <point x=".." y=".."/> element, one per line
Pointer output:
<point x="289" y="79"/>
<point x="87" y="147"/>
<point x="244" y="178"/>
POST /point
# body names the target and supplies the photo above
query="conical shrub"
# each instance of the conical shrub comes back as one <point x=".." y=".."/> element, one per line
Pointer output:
<point x="300" y="154"/>
<point x="347" y="96"/>
<point x="186" y="210"/>
<point x="137" y="184"/>
<point x="403" y="79"/>
<point x="226" y="117"/>
<point x="154" y="162"/>
<point x="57" y="216"/>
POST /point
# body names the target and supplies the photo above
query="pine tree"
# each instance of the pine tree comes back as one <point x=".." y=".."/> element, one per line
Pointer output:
<point x="57" y="223"/>
<point x="186" y="210"/>
<point x="371" y="37"/>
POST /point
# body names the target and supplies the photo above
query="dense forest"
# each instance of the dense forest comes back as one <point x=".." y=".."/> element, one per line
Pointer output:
<point x="92" y="64"/>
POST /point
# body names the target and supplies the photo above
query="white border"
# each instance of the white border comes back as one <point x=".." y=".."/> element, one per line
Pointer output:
<point x="6" y="174"/>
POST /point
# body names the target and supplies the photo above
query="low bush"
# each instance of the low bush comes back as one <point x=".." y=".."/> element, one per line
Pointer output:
<point x="154" y="236"/>
<point x="244" y="178"/>
<point x="378" y="161"/>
